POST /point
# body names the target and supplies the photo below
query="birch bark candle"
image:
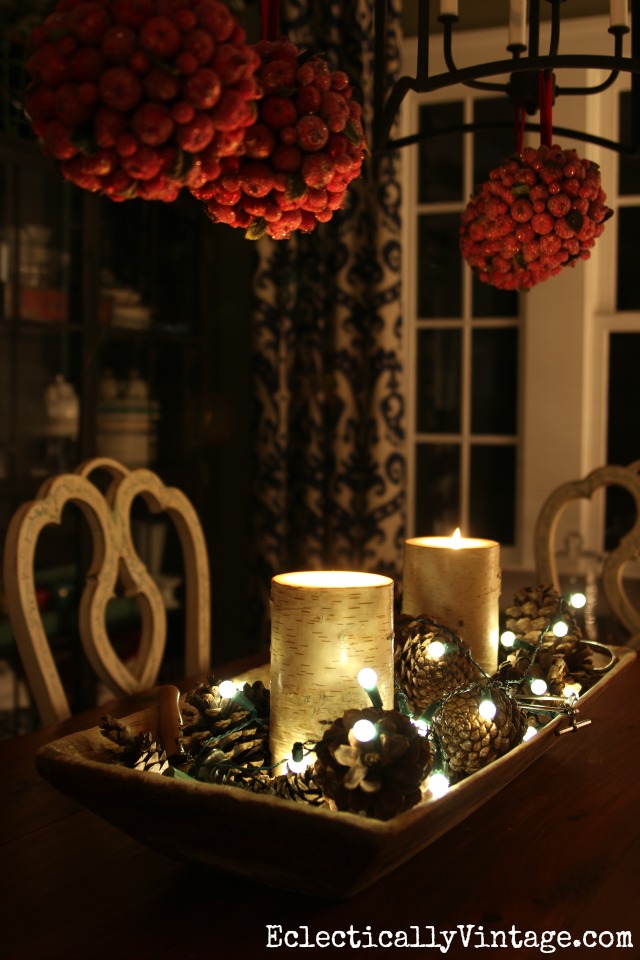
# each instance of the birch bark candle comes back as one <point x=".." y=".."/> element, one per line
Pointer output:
<point x="456" y="581"/>
<point x="325" y="627"/>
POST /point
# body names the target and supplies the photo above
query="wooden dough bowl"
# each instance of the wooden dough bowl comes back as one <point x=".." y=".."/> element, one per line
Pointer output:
<point x="267" y="839"/>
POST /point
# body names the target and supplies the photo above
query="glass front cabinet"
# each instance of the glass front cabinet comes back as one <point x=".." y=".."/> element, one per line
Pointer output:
<point x="103" y="352"/>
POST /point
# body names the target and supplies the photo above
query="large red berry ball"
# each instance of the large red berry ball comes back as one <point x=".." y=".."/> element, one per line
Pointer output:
<point x="302" y="150"/>
<point x="128" y="95"/>
<point x="532" y="217"/>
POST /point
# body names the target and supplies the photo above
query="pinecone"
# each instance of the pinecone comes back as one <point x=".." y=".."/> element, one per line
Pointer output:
<point x="533" y="609"/>
<point x="152" y="760"/>
<point x="225" y="740"/>
<point x="379" y="778"/>
<point x="299" y="787"/>
<point x="139" y="752"/>
<point x="548" y="665"/>
<point x="578" y="656"/>
<point x="421" y="676"/>
<point x="471" y="742"/>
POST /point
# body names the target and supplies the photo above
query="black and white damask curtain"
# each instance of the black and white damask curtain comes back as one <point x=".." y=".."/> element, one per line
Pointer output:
<point x="329" y="481"/>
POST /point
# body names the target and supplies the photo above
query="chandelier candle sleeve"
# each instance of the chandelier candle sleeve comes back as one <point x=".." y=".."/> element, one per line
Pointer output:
<point x="518" y="23"/>
<point x="325" y="627"/>
<point x="456" y="581"/>
<point x="618" y="13"/>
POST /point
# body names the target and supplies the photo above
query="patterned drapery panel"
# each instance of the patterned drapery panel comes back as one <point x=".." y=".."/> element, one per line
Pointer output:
<point x="329" y="481"/>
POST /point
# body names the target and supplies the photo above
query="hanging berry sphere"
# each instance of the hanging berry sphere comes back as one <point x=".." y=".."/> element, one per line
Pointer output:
<point x="537" y="213"/>
<point x="299" y="157"/>
<point x="138" y="98"/>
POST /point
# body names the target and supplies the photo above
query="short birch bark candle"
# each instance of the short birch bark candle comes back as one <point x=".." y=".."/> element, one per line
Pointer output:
<point x="325" y="627"/>
<point x="456" y="581"/>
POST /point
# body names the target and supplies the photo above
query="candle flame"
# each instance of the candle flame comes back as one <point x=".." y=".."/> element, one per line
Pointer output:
<point x="456" y="539"/>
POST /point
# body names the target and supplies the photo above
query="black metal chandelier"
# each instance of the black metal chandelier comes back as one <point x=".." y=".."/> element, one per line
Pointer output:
<point x="524" y="69"/>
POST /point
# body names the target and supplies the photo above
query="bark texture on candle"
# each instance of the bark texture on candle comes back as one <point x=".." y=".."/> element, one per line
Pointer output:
<point x="320" y="639"/>
<point x="459" y="589"/>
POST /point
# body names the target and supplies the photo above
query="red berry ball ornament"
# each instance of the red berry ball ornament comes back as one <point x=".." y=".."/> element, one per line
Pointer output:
<point x="300" y="155"/>
<point x="138" y="98"/>
<point x="537" y="213"/>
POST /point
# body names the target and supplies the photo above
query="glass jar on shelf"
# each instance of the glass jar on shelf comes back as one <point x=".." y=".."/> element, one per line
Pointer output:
<point x="60" y="428"/>
<point x="42" y="295"/>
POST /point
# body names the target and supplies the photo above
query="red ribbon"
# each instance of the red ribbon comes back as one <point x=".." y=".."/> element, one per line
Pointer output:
<point x="545" y="102"/>
<point x="270" y="19"/>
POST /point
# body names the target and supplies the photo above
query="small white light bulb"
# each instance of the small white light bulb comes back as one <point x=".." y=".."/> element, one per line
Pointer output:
<point x="560" y="629"/>
<point x="227" y="689"/>
<point x="529" y="734"/>
<point x="298" y="766"/>
<point x="538" y="687"/>
<point x="438" y="785"/>
<point x="436" y="650"/>
<point x="367" y="678"/>
<point x="577" y="600"/>
<point x="487" y="709"/>
<point x="421" y="726"/>
<point x="571" y="690"/>
<point x="508" y="638"/>
<point x="363" y="730"/>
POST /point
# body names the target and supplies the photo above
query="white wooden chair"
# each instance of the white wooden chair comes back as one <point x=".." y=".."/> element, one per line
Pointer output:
<point x="627" y="551"/>
<point x="114" y="561"/>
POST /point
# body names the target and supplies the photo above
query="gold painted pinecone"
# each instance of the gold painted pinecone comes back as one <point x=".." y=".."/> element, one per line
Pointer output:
<point x="221" y="739"/>
<point x="470" y="742"/>
<point x="421" y="677"/>
<point x="140" y="751"/>
<point x="380" y="778"/>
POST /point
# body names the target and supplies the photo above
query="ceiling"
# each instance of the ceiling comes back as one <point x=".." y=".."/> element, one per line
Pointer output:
<point x="491" y="14"/>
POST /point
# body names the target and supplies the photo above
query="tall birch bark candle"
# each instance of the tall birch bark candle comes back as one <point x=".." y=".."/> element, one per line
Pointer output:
<point x="325" y="627"/>
<point x="456" y="581"/>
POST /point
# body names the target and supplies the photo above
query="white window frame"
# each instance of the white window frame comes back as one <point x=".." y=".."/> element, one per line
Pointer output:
<point x="565" y="322"/>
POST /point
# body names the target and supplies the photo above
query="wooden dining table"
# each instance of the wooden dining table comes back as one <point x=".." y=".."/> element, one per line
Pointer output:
<point x="551" y="864"/>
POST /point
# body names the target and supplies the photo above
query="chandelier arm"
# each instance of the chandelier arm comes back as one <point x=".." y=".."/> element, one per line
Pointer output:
<point x="573" y="61"/>
<point x="587" y="91"/>
<point x="554" y="41"/>
<point x="423" y="30"/>
<point x="426" y="84"/>
<point x="486" y="85"/>
<point x="408" y="141"/>
<point x="384" y="121"/>
<point x="600" y="87"/>
<point x="534" y="27"/>
<point x="384" y="113"/>
<point x="447" y="50"/>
